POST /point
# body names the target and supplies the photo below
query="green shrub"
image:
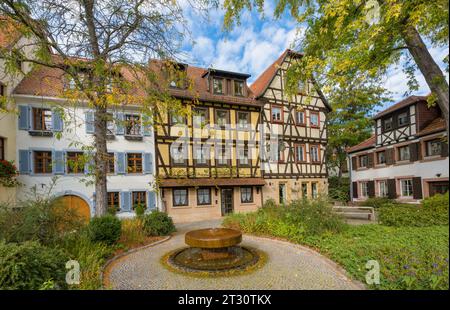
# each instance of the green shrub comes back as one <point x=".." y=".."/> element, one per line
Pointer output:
<point x="41" y="219"/>
<point x="413" y="215"/>
<point x="105" y="229"/>
<point x="140" y="210"/>
<point x="90" y="255"/>
<point x="377" y="202"/>
<point x="436" y="201"/>
<point x="30" y="265"/>
<point x="158" y="223"/>
<point x="339" y="189"/>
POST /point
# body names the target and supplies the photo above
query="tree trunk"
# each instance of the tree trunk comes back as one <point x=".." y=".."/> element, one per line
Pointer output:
<point x="101" y="192"/>
<point x="430" y="70"/>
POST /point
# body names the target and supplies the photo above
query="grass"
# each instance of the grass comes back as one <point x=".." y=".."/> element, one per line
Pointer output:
<point x="410" y="257"/>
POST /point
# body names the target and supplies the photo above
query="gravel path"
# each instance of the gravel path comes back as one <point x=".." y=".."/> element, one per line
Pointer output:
<point x="289" y="266"/>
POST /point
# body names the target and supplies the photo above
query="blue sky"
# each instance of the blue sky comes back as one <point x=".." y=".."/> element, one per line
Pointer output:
<point x="257" y="42"/>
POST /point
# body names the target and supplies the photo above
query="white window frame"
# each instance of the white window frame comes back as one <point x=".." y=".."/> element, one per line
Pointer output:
<point x="408" y="187"/>
<point x="364" y="189"/>
<point x="383" y="193"/>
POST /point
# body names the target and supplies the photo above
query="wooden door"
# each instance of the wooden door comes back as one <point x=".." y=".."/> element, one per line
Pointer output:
<point x="79" y="205"/>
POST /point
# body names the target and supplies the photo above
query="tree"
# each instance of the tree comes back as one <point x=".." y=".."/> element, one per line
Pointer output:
<point x="348" y="39"/>
<point x="91" y="42"/>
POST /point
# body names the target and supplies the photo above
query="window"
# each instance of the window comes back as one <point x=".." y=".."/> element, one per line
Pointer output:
<point x="243" y="120"/>
<point x="200" y="117"/>
<point x="204" y="196"/>
<point x="243" y="156"/>
<point x="278" y="152"/>
<point x="238" y="88"/>
<point x="113" y="201"/>
<point x="403" y="153"/>
<point x="222" y="159"/>
<point x="139" y="199"/>
<point x="314" y="190"/>
<point x="2" y="148"/>
<point x="387" y="124"/>
<point x="300" y="155"/>
<point x="2" y="90"/>
<point x="300" y="118"/>
<point x="381" y="157"/>
<point x="42" y="162"/>
<point x="176" y="119"/>
<point x="200" y="153"/>
<point x="403" y="119"/>
<point x="302" y="87"/>
<point x="364" y="189"/>
<point x="42" y="119"/>
<point x="314" y="153"/>
<point x="304" y="190"/>
<point x="406" y="187"/>
<point x="178" y="154"/>
<point x="314" y="119"/>
<point x="180" y="197"/>
<point x="110" y="126"/>
<point x="363" y="161"/>
<point x="434" y="147"/>
<point x="75" y="162"/>
<point x="282" y="193"/>
<point x="246" y="194"/>
<point x="222" y="117"/>
<point x="110" y="167"/>
<point x="277" y="114"/>
<point x="382" y="188"/>
<point x="218" y="86"/>
<point x="134" y="162"/>
<point x="133" y="125"/>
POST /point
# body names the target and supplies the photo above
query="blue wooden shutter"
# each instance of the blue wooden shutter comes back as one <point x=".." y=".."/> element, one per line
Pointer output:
<point x="89" y="122"/>
<point x="24" y="161"/>
<point x="125" y="201"/>
<point x="146" y="126"/>
<point x="148" y="163"/>
<point x="24" y="117"/>
<point x="58" y="162"/>
<point x="89" y="166"/>
<point x="151" y="200"/>
<point x="57" y="121"/>
<point x="120" y="129"/>
<point x="121" y="163"/>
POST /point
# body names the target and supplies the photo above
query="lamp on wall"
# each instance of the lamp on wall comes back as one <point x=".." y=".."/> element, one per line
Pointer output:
<point x="438" y="175"/>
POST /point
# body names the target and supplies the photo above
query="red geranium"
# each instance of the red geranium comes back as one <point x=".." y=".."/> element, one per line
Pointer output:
<point x="8" y="173"/>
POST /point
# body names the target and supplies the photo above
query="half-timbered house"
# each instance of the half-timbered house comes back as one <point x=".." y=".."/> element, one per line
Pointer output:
<point x="407" y="157"/>
<point x="294" y="132"/>
<point x="207" y="159"/>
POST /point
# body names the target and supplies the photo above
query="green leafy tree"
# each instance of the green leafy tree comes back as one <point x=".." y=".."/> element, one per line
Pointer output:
<point x="347" y="40"/>
<point x="91" y="42"/>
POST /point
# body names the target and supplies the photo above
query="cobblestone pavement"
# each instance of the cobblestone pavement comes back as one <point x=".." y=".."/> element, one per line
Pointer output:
<point x="289" y="266"/>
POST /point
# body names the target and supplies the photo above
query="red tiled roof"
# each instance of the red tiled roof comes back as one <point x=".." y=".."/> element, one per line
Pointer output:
<point x="9" y="34"/>
<point x="363" y="145"/>
<point x="438" y="124"/>
<point x="212" y="182"/>
<point x="260" y="85"/>
<point x="401" y="104"/>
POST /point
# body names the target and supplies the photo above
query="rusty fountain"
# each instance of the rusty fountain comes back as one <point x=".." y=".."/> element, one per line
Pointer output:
<point x="213" y="250"/>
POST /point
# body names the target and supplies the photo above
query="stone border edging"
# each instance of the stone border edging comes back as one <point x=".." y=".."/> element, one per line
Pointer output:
<point x="131" y="251"/>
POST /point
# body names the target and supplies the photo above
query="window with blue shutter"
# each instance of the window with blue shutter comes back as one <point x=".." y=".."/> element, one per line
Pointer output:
<point x="125" y="201"/>
<point x="24" y="161"/>
<point x="89" y="166"/>
<point x="120" y="129"/>
<point x="57" y="121"/>
<point x="59" y="162"/>
<point x="89" y="122"/>
<point x="151" y="200"/>
<point x="148" y="163"/>
<point x="121" y="163"/>
<point x="24" y="117"/>
<point x="146" y="126"/>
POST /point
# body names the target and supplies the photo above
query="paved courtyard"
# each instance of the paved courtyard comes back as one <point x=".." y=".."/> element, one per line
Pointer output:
<point x="288" y="267"/>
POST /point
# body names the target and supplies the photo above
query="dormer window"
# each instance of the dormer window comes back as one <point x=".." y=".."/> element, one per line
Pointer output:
<point x="403" y="119"/>
<point x="238" y="88"/>
<point x="218" y="86"/>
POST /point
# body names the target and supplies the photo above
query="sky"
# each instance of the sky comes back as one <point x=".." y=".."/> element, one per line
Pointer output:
<point x="258" y="41"/>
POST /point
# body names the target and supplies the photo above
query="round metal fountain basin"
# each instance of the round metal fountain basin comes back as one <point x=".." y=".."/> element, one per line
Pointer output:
<point x="213" y="238"/>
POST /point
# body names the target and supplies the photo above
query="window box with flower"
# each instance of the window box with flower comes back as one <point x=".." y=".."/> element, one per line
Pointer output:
<point x="8" y="173"/>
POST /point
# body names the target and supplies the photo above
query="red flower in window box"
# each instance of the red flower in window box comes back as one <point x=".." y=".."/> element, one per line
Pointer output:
<point x="8" y="173"/>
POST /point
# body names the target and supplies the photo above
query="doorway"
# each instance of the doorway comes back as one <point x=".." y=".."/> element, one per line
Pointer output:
<point x="282" y="193"/>
<point x="77" y="204"/>
<point x="227" y="201"/>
